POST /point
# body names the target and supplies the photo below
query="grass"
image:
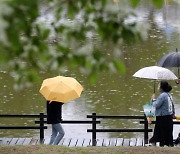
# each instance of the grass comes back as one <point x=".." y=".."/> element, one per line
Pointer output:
<point x="49" y="149"/>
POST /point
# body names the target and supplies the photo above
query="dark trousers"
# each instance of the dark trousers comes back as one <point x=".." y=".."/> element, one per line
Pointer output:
<point x="164" y="130"/>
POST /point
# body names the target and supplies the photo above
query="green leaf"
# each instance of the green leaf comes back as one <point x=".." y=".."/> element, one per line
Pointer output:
<point x="46" y="33"/>
<point x="128" y="35"/>
<point x="134" y="3"/>
<point x="103" y="3"/>
<point x="32" y="76"/>
<point x="60" y="29"/>
<point x="158" y="3"/>
<point x="119" y="66"/>
<point x="72" y="9"/>
<point x="97" y="55"/>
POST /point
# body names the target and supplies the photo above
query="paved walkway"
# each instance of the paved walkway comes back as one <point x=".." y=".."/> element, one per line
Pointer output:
<point x="72" y="142"/>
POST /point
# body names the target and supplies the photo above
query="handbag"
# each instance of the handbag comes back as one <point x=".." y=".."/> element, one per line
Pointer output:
<point x="149" y="110"/>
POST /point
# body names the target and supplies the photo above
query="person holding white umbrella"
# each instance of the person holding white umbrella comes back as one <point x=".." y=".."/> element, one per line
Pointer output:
<point x="165" y="113"/>
<point x="164" y="104"/>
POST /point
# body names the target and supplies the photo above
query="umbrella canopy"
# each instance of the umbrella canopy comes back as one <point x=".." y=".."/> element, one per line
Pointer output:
<point x="156" y="73"/>
<point x="170" y="60"/>
<point x="61" y="89"/>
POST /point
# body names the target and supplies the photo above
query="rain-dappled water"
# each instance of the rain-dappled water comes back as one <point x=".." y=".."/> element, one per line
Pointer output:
<point x="113" y="94"/>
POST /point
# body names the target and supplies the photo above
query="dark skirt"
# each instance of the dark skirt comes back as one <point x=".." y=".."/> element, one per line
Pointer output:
<point x="163" y="131"/>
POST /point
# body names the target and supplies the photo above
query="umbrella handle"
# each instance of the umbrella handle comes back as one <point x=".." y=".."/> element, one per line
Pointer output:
<point x="178" y="80"/>
<point x="154" y="86"/>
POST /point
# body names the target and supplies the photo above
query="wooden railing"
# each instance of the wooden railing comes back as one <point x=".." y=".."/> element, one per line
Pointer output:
<point x="94" y="121"/>
<point x="41" y="126"/>
<point x="41" y="123"/>
<point x="94" y="129"/>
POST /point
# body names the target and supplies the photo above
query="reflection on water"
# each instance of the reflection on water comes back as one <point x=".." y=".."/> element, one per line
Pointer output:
<point x="113" y="94"/>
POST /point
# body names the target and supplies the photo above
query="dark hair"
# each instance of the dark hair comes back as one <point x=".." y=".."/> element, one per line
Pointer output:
<point x="165" y="86"/>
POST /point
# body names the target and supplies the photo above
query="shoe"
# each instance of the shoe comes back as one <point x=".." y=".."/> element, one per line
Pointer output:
<point x="153" y="144"/>
<point x="177" y="141"/>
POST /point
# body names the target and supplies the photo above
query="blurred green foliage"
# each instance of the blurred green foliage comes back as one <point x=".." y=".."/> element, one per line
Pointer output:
<point x="48" y="34"/>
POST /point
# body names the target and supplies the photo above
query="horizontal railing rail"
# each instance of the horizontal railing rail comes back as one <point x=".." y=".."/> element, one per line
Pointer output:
<point x="73" y="122"/>
<point x="116" y="116"/>
<point x="153" y="122"/>
<point x="119" y="130"/>
<point x="22" y="115"/>
<point x="22" y="127"/>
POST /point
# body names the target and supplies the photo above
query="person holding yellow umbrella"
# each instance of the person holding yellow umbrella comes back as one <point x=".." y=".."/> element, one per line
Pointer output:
<point x="57" y="91"/>
<point x="54" y="117"/>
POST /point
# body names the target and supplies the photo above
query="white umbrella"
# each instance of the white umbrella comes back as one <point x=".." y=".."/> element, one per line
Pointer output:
<point x="156" y="73"/>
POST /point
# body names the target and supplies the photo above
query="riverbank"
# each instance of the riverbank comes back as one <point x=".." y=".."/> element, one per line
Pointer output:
<point x="46" y="149"/>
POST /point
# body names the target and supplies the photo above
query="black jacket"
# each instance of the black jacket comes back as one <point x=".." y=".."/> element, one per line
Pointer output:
<point x="54" y="112"/>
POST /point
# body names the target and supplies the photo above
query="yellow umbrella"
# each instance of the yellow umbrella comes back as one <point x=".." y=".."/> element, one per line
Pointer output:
<point x="61" y="89"/>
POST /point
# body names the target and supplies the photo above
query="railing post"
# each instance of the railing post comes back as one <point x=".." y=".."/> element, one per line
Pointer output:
<point x="41" y="128"/>
<point x="93" y="129"/>
<point x="145" y="130"/>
